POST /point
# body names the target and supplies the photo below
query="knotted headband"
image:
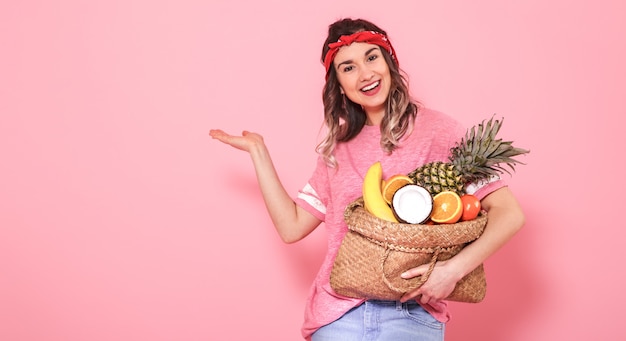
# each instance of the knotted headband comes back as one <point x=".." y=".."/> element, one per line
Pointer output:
<point x="370" y="37"/>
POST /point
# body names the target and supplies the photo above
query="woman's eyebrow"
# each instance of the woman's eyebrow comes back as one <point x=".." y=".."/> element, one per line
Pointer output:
<point x="349" y="61"/>
<point x="372" y="50"/>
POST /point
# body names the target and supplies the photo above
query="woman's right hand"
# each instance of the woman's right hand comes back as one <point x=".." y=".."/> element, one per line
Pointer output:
<point x="246" y="142"/>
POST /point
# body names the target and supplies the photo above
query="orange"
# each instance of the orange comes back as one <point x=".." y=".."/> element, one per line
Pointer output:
<point x="391" y="185"/>
<point x="471" y="207"/>
<point x="447" y="208"/>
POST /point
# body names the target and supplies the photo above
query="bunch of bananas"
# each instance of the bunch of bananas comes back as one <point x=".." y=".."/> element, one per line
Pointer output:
<point x="373" y="199"/>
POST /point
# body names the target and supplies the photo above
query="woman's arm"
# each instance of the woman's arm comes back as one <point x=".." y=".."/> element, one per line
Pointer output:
<point x="291" y="221"/>
<point x="505" y="219"/>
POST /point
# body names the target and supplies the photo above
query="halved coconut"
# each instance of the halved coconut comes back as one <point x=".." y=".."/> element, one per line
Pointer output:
<point x="412" y="204"/>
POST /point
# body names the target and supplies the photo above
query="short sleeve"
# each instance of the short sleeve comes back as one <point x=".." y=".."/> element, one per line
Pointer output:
<point x="485" y="187"/>
<point x="313" y="197"/>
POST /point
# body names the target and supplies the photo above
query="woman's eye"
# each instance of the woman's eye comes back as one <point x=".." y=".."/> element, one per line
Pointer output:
<point x="372" y="57"/>
<point x="347" y="68"/>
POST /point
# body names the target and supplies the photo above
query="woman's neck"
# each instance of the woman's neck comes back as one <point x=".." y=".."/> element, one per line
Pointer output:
<point x="374" y="118"/>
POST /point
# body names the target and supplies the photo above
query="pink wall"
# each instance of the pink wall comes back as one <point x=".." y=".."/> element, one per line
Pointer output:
<point x="120" y="219"/>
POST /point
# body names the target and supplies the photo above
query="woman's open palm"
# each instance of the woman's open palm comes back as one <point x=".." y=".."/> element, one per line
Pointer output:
<point x="244" y="142"/>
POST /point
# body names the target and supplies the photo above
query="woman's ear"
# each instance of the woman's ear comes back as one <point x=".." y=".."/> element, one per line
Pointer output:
<point x="341" y="90"/>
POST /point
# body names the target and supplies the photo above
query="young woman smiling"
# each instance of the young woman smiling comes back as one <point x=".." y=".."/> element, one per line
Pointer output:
<point x="370" y="116"/>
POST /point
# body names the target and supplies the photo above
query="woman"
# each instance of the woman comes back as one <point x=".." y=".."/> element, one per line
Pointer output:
<point x="371" y="117"/>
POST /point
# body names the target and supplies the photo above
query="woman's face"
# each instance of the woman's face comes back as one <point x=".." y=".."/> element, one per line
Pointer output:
<point x="364" y="77"/>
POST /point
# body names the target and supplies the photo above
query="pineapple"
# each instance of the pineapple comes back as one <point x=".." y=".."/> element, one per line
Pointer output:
<point x="478" y="156"/>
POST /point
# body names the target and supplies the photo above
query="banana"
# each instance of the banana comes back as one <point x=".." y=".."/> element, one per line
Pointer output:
<point x="372" y="194"/>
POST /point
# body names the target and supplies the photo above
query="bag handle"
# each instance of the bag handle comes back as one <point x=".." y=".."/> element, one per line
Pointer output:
<point x="423" y="278"/>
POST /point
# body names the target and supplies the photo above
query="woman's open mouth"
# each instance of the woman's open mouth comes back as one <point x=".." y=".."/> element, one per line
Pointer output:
<point x="370" y="87"/>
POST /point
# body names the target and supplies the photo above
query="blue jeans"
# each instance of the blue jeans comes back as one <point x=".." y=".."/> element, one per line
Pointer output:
<point x="383" y="320"/>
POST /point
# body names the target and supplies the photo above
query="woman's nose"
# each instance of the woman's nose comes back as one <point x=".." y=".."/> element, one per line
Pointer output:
<point x="366" y="74"/>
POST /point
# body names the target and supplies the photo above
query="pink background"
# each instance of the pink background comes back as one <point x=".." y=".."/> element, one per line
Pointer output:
<point x="120" y="219"/>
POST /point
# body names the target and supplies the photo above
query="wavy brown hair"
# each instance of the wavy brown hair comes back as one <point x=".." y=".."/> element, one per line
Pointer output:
<point x="345" y="119"/>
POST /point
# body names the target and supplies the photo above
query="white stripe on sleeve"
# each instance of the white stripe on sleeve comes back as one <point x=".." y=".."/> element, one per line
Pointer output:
<point x="309" y="195"/>
<point x="475" y="186"/>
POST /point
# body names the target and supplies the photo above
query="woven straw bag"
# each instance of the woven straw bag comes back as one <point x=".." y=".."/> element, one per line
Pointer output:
<point x="375" y="252"/>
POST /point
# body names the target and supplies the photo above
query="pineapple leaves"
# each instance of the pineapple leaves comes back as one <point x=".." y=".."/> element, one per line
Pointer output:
<point x="477" y="156"/>
<point x="496" y="127"/>
<point x="481" y="154"/>
<point x="476" y="139"/>
<point x="492" y="147"/>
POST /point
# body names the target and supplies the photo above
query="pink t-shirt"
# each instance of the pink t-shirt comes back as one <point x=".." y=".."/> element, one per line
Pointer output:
<point x="330" y="190"/>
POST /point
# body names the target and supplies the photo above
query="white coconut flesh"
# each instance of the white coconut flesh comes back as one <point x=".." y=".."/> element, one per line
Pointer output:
<point x="412" y="204"/>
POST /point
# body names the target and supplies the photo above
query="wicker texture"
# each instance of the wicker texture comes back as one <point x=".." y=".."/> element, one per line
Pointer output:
<point x="375" y="252"/>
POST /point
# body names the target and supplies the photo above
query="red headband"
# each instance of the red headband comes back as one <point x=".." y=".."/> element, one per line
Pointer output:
<point x="370" y="37"/>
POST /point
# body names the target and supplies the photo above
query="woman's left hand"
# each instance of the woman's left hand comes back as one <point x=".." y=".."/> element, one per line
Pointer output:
<point x="505" y="219"/>
<point x="439" y="285"/>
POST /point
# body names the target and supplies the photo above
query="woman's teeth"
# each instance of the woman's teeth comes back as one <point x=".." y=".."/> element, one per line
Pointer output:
<point x="370" y="87"/>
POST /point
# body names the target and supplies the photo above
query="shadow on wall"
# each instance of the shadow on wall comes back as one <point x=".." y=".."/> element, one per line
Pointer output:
<point x="305" y="258"/>
<point x="513" y="292"/>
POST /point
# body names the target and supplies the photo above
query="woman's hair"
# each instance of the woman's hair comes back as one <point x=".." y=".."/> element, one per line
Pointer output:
<point x="345" y="119"/>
